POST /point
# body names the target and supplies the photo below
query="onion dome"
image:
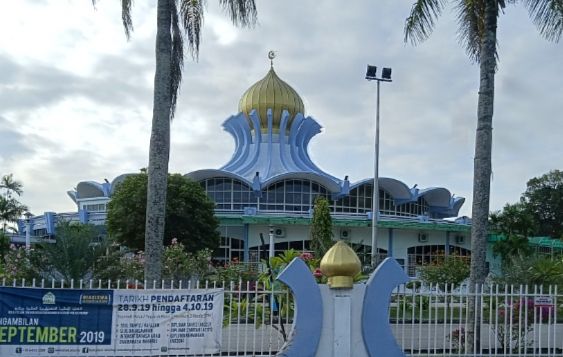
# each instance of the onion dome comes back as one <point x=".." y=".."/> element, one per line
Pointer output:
<point x="271" y="93"/>
<point x="340" y="264"/>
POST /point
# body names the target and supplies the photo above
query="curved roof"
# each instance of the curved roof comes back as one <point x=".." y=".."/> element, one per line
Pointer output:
<point x="72" y="195"/>
<point x="328" y="183"/>
<point x="204" y="174"/>
<point x="271" y="93"/>
<point x="90" y="189"/>
<point x="397" y="189"/>
<point x="436" y="196"/>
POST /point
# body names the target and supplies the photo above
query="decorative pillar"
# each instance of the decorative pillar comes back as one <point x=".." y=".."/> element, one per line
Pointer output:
<point x="340" y="319"/>
<point x="340" y="264"/>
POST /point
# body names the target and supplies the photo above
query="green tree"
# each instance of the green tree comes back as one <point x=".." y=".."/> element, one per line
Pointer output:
<point x="515" y="224"/>
<point x="73" y="254"/>
<point x="544" y="200"/>
<point x="178" y="265"/>
<point x="178" y="22"/>
<point x="189" y="214"/>
<point x="20" y="263"/>
<point x="4" y="245"/>
<point x="10" y="208"/>
<point x="451" y="271"/>
<point x="321" y="227"/>
<point x="532" y="270"/>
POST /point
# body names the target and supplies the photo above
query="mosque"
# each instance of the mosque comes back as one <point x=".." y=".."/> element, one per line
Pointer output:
<point x="269" y="186"/>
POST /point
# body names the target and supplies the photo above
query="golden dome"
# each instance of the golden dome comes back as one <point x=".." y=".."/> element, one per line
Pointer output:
<point x="341" y="265"/>
<point x="271" y="93"/>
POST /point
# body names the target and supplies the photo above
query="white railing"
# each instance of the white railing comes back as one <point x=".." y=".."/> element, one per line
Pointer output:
<point x="509" y="320"/>
<point x="426" y="320"/>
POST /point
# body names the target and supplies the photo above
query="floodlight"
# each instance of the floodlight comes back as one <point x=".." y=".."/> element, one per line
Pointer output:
<point x="371" y="72"/>
<point x="386" y="73"/>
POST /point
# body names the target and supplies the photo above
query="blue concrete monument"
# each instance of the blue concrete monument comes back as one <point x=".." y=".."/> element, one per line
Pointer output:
<point x="342" y="319"/>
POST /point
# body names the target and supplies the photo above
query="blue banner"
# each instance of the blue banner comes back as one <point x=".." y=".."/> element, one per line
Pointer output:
<point x="70" y="323"/>
<point x="55" y="317"/>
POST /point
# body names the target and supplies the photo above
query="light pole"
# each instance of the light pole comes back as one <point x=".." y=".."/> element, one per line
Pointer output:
<point x="271" y="253"/>
<point x="28" y="216"/>
<point x="371" y="75"/>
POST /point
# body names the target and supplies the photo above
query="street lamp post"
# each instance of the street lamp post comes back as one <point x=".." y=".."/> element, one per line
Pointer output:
<point x="371" y="75"/>
<point x="28" y="216"/>
<point x="271" y="233"/>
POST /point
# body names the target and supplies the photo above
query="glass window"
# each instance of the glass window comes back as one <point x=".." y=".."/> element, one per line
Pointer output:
<point x="229" y="194"/>
<point x="291" y="195"/>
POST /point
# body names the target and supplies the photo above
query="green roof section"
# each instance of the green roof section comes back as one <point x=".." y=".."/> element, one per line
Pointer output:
<point x="343" y="222"/>
<point x="546" y="242"/>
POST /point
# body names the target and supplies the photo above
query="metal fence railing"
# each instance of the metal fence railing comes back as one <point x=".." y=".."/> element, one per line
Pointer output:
<point x="426" y="320"/>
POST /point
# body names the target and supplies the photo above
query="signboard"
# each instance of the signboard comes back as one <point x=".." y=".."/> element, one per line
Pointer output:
<point x="546" y="301"/>
<point x="62" y="322"/>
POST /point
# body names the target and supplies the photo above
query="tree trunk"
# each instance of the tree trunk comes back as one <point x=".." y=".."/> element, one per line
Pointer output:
<point x="482" y="171"/>
<point x="159" y="150"/>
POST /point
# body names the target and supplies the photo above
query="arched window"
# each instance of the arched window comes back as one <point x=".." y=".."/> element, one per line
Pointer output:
<point x="229" y="194"/>
<point x="359" y="201"/>
<point x="426" y="254"/>
<point x="413" y="209"/>
<point x="291" y="195"/>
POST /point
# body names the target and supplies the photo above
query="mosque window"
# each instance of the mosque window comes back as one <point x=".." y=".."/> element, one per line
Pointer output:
<point x="229" y="194"/>
<point x="99" y="207"/>
<point x="291" y="195"/>
<point x="359" y="201"/>
<point x="427" y="254"/>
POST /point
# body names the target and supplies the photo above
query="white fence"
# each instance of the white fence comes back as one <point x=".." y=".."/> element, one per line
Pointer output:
<point x="427" y="321"/>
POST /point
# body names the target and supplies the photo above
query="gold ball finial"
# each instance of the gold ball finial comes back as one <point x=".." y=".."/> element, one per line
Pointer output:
<point x="340" y="264"/>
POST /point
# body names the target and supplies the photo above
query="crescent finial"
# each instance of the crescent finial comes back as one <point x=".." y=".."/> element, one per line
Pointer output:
<point x="271" y="56"/>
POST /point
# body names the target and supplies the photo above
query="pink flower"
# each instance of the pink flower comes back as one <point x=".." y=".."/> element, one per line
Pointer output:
<point x="306" y="256"/>
<point x="317" y="273"/>
<point x="174" y="241"/>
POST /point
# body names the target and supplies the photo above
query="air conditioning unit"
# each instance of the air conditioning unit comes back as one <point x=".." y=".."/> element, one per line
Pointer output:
<point x="345" y="233"/>
<point x="249" y="211"/>
<point x="279" y="232"/>
<point x="422" y="237"/>
<point x="459" y="239"/>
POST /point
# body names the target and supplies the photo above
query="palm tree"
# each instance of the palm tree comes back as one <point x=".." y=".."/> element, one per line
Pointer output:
<point x="477" y="20"/>
<point x="10" y="208"/>
<point x="178" y="22"/>
<point x="9" y="185"/>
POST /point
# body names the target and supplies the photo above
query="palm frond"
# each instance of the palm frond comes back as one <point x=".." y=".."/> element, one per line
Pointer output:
<point x="191" y="15"/>
<point x="177" y="57"/>
<point x="547" y="15"/>
<point x="422" y="18"/>
<point x="471" y="26"/>
<point x="126" y="17"/>
<point x="242" y="12"/>
<point x="471" y="22"/>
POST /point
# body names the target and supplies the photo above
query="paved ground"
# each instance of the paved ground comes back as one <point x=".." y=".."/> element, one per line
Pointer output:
<point x="429" y="338"/>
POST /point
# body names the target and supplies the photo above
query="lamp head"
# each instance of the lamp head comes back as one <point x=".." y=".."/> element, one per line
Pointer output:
<point x="386" y="73"/>
<point x="371" y="72"/>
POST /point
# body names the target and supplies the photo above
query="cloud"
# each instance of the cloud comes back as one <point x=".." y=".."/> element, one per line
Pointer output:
<point x="82" y="95"/>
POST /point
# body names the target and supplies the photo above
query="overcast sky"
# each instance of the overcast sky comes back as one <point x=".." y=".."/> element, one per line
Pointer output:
<point x="76" y="96"/>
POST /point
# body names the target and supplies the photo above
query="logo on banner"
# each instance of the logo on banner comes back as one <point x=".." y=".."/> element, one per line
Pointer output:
<point x="98" y="299"/>
<point x="49" y="298"/>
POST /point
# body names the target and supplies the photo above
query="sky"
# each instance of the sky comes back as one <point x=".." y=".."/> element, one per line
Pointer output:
<point x="76" y="96"/>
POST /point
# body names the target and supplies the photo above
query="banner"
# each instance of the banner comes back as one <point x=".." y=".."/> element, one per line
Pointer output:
<point x="65" y="322"/>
